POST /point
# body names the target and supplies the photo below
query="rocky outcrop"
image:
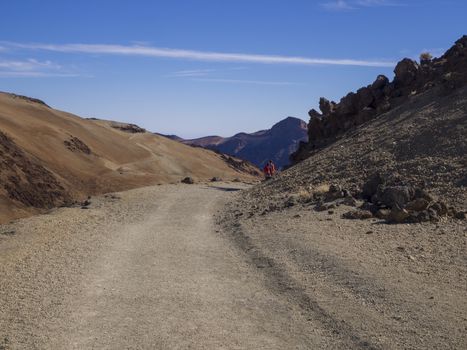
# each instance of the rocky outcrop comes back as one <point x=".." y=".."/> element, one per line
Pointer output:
<point x="388" y="198"/>
<point x="74" y="144"/>
<point x="446" y="73"/>
<point x="27" y="99"/>
<point x="25" y="181"/>
<point x="398" y="201"/>
<point x="130" y="128"/>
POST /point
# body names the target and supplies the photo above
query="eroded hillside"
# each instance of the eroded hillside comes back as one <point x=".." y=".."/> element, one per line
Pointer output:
<point x="51" y="158"/>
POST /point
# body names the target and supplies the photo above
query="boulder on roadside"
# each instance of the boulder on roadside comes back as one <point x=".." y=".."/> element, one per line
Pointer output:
<point x="440" y="208"/>
<point x="368" y="206"/>
<point x="357" y="215"/>
<point x="325" y="206"/>
<point x="421" y="193"/>
<point x="418" y="204"/>
<point x="350" y="201"/>
<point x="335" y="192"/>
<point x="395" y="196"/>
<point x="188" y="180"/>
<point x="398" y="215"/>
<point x="383" y="214"/>
<point x="370" y="187"/>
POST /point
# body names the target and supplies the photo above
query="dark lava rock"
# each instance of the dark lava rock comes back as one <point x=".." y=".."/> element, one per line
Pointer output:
<point x="130" y="128"/>
<point x="418" y="204"/>
<point x="421" y="193"/>
<point x="383" y="214"/>
<point x="335" y="192"/>
<point x="373" y="208"/>
<point x="395" y="196"/>
<point x="350" y="201"/>
<point x="358" y="215"/>
<point x="440" y="208"/>
<point x="325" y="206"/>
<point x="406" y="72"/>
<point x="398" y="215"/>
<point x="188" y="180"/>
<point x="370" y="187"/>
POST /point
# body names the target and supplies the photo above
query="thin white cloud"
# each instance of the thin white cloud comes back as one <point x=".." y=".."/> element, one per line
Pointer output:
<point x="150" y="51"/>
<point x="192" y="73"/>
<point x="12" y="74"/>
<point x="347" y="5"/>
<point x="32" y="68"/>
<point x="201" y="72"/>
<point x="27" y="65"/>
<point x="375" y="3"/>
<point x="339" y="5"/>
<point x="254" y="82"/>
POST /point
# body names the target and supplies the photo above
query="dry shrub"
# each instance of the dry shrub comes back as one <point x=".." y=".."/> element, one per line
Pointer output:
<point x="321" y="189"/>
<point x="425" y="56"/>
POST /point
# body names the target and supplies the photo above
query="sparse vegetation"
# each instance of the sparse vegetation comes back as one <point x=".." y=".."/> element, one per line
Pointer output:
<point x="425" y="57"/>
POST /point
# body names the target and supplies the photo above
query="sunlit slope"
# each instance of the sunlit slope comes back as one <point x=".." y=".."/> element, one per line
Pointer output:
<point x="87" y="157"/>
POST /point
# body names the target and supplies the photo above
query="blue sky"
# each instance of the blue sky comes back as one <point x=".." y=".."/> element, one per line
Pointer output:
<point x="203" y="67"/>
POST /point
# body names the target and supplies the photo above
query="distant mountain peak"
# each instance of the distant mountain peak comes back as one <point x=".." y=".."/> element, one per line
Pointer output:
<point x="276" y="143"/>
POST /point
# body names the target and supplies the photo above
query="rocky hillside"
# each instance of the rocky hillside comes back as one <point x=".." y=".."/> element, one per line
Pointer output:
<point x="400" y="147"/>
<point x="50" y="158"/>
<point x="277" y="143"/>
<point x="444" y="74"/>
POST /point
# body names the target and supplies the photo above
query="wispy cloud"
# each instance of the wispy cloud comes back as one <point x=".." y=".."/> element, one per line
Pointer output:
<point x="254" y="82"/>
<point x="12" y="74"/>
<point x="201" y="72"/>
<point x="376" y="3"/>
<point x="339" y="5"/>
<point x="347" y="5"/>
<point x="32" y="68"/>
<point x="192" y="73"/>
<point x="27" y="65"/>
<point x="150" y="51"/>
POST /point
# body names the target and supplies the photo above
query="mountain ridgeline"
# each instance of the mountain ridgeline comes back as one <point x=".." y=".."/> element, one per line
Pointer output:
<point x="276" y="144"/>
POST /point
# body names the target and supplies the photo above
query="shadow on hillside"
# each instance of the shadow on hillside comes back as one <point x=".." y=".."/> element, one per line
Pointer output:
<point x="226" y="189"/>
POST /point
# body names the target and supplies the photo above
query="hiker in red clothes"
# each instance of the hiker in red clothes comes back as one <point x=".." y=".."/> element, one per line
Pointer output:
<point x="272" y="168"/>
<point x="269" y="170"/>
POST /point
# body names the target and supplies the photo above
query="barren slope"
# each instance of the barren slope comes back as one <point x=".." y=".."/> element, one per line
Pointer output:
<point x="423" y="141"/>
<point x="72" y="158"/>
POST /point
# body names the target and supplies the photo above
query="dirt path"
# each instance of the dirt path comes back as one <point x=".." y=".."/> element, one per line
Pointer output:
<point x="373" y="285"/>
<point x="145" y="270"/>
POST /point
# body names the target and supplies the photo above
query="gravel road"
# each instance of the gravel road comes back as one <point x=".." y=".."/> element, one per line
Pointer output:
<point x="172" y="267"/>
<point x="143" y="269"/>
